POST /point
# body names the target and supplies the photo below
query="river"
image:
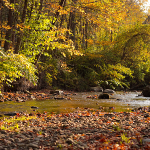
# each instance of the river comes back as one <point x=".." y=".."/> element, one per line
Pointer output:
<point x="118" y="102"/>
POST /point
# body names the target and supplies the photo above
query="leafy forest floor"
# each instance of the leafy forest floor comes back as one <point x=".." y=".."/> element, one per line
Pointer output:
<point x="87" y="129"/>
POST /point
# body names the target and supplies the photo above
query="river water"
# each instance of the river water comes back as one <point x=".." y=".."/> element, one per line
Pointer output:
<point x="119" y="101"/>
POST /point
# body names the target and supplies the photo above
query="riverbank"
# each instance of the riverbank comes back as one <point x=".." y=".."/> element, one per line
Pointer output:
<point x="87" y="129"/>
<point x="19" y="96"/>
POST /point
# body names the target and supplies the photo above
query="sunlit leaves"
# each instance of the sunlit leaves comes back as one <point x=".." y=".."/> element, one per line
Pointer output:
<point x="8" y="5"/>
<point x="113" y="75"/>
<point x="15" y="66"/>
<point x="132" y="48"/>
<point x="14" y="123"/>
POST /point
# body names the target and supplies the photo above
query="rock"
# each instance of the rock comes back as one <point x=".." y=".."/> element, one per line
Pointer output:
<point x="103" y="96"/>
<point x="26" y="91"/>
<point x="9" y="95"/>
<point x="146" y="91"/>
<point x="42" y="95"/>
<point x="108" y="91"/>
<point x="139" y="95"/>
<point x="109" y="115"/>
<point x="34" y="107"/>
<point x="97" y="89"/>
<point x="59" y="98"/>
<point x="56" y="92"/>
<point x="31" y="97"/>
<point x="118" y="99"/>
<point x="10" y="114"/>
<point x="1" y="96"/>
<point x="19" y="92"/>
<point x="19" y="100"/>
<point x="145" y="141"/>
<point x="146" y="115"/>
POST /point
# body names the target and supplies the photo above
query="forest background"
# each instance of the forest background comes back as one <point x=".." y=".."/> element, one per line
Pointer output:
<point x="74" y="44"/>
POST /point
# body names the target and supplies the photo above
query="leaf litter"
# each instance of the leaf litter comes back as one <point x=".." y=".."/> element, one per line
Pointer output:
<point x="82" y="129"/>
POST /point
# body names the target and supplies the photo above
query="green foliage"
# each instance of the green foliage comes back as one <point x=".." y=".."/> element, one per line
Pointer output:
<point x="133" y="43"/>
<point x="13" y="66"/>
<point x="92" y="71"/>
<point x="132" y="50"/>
<point x="67" y="80"/>
<point x="49" y="78"/>
<point x="41" y="37"/>
<point x="113" y="76"/>
<point x="48" y="69"/>
<point x="109" y="46"/>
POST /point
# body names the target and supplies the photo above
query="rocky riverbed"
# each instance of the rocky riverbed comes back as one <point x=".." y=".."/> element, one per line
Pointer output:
<point x="87" y="129"/>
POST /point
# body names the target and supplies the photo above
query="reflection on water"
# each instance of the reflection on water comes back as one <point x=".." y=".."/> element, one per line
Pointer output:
<point x="119" y="102"/>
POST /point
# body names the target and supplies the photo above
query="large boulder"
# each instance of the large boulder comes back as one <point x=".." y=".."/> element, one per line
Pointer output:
<point x="146" y="91"/>
<point x="56" y="92"/>
<point x="97" y="89"/>
<point x="103" y="96"/>
<point x="108" y="91"/>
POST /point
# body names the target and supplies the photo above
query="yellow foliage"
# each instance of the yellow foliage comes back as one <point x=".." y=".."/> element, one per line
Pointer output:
<point x="15" y="66"/>
<point x="90" y="41"/>
<point x="7" y="27"/>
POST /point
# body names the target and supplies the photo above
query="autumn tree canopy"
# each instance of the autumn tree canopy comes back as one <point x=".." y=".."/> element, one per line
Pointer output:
<point x="74" y="44"/>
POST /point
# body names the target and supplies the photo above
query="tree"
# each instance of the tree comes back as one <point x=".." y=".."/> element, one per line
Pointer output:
<point x="13" y="66"/>
<point x="54" y="34"/>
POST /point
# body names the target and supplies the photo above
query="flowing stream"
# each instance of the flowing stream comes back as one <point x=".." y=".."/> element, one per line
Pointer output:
<point x="119" y="101"/>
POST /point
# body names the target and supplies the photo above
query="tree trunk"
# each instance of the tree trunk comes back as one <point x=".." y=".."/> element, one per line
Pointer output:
<point x="9" y="31"/>
<point x="1" y="35"/>
<point x="72" y="24"/>
<point x="19" y="36"/>
<point x="86" y="33"/>
<point x="83" y="35"/>
<point x="29" y="11"/>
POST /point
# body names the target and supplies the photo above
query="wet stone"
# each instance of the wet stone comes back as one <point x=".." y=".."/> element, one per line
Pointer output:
<point x="109" y="115"/>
